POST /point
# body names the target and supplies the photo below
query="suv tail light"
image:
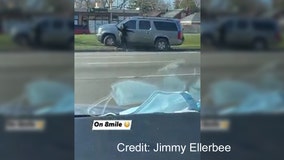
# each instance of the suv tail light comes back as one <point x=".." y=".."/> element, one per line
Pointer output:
<point x="180" y="35"/>
<point x="278" y="36"/>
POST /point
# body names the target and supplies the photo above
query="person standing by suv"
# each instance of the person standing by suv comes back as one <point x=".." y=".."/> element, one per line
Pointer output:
<point x="123" y="36"/>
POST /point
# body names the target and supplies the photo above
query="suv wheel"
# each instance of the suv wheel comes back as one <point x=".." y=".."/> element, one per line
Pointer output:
<point x="162" y="44"/>
<point x="109" y="40"/>
<point x="259" y="44"/>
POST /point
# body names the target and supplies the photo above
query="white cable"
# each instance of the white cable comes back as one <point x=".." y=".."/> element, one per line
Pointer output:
<point x="105" y="106"/>
<point x="95" y="104"/>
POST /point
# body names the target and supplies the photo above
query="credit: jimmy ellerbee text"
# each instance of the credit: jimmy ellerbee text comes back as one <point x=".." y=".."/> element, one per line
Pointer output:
<point x="174" y="148"/>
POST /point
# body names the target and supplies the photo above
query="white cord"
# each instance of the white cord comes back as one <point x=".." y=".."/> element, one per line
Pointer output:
<point x="105" y="106"/>
<point x="95" y="104"/>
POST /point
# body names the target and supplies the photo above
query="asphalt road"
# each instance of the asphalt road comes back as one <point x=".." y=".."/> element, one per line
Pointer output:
<point x="95" y="72"/>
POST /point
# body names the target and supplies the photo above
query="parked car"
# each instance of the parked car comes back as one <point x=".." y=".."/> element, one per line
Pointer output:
<point x="160" y="33"/>
<point x="257" y="33"/>
<point x="45" y="31"/>
<point x="79" y="29"/>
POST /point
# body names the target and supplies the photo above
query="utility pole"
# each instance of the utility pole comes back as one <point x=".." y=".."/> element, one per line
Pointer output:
<point x="110" y="9"/>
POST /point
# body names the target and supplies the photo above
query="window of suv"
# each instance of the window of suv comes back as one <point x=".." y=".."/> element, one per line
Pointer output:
<point x="227" y="25"/>
<point x="144" y="25"/>
<point x="58" y="24"/>
<point x="264" y="25"/>
<point x="242" y="24"/>
<point x="43" y="25"/>
<point x="131" y="24"/>
<point x="165" y="26"/>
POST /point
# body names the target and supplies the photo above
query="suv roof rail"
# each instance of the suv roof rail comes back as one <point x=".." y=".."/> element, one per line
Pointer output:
<point x="154" y="18"/>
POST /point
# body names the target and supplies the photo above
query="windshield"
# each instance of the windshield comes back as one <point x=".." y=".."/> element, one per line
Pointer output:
<point x="137" y="85"/>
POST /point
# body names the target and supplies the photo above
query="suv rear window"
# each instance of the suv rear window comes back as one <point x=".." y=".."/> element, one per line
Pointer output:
<point x="144" y="25"/>
<point x="165" y="26"/>
<point x="264" y="25"/>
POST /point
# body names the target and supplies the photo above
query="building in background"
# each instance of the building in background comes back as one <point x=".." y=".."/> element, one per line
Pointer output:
<point x="191" y="23"/>
<point x="96" y="17"/>
<point x="176" y="13"/>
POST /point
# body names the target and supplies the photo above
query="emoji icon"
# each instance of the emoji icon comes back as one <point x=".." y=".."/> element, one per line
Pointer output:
<point x="126" y="124"/>
<point x="224" y="124"/>
<point x="40" y="124"/>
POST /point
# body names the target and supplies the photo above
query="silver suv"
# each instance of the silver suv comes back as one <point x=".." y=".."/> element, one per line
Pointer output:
<point x="57" y="31"/>
<point x="258" y="33"/>
<point x="160" y="33"/>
